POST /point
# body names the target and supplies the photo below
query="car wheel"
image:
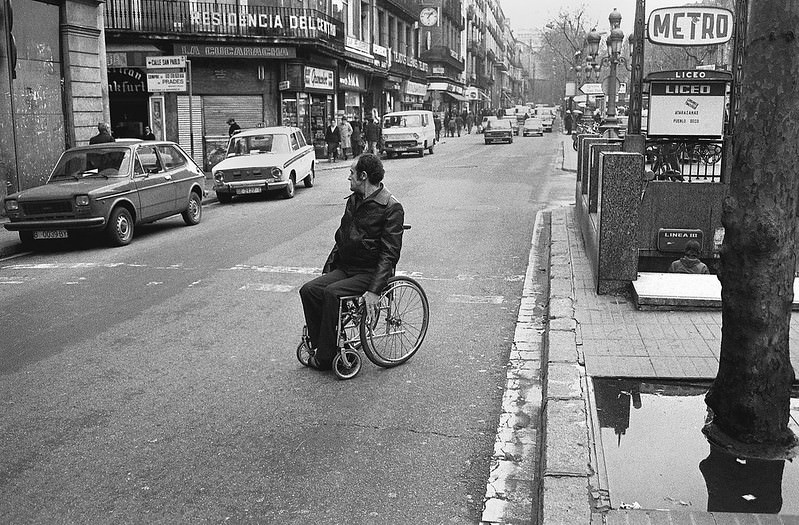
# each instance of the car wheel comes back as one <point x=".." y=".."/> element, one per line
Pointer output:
<point x="421" y="151"/>
<point x="288" y="192"/>
<point x="194" y="211"/>
<point x="309" y="179"/>
<point x="430" y="149"/>
<point x="487" y="142"/>
<point x="120" y="227"/>
<point x="224" y="198"/>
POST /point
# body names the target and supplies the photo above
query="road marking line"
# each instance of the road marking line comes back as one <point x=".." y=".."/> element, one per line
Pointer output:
<point x="476" y="299"/>
<point x="267" y="287"/>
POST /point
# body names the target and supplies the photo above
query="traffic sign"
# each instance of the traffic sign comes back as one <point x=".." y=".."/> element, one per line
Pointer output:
<point x="167" y="62"/>
<point x="593" y="88"/>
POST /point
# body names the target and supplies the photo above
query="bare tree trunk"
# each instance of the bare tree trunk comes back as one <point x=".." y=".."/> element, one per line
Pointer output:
<point x="750" y="397"/>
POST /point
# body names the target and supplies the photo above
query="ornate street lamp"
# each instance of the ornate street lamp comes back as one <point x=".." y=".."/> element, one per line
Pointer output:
<point x="614" y="41"/>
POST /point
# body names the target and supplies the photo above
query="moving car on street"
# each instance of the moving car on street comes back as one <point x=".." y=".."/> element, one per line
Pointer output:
<point x="408" y="132"/>
<point x="498" y="130"/>
<point x="533" y="126"/>
<point x="514" y="124"/>
<point x="484" y="123"/>
<point x="110" y="188"/>
<point x="262" y="160"/>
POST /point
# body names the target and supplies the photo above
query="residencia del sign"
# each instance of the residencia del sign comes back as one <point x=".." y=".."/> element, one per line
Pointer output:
<point x="268" y="21"/>
<point x="690" y="26"/>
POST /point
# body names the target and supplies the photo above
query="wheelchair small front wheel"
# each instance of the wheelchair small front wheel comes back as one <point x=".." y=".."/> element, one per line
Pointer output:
<point x="348" y="366"/>
<point x="304" y="354"/>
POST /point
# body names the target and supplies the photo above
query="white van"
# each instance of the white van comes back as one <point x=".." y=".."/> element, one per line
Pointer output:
<point x="408" y="131"/>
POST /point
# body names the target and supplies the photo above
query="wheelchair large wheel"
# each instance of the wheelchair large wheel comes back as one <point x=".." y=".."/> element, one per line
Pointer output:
<point x="348" y="369"/>
<point x="400" y="326"/>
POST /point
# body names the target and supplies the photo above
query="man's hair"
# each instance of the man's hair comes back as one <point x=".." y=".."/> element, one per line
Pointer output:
<point x="372" y="165"/>
<point x="231" y="120"/>
<point x="101" y="126"/>
<point x="693" y="248"/>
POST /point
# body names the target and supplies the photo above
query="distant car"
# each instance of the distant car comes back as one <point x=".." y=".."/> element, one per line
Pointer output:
<point x="533" y="126"/>
<point x="262" y="160"/>
<point x="483" y="123"/>
<point x="498" y="130"/>
<point x="514" y="124"/>
<point x="547" y="116"/>
<point x="110" y="188"/>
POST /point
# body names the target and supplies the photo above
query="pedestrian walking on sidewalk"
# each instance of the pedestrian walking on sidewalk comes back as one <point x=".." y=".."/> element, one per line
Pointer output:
<point x="345" y="131"/>
<point x="372" y="133"/>
<point x="567" y="122"/>
<point x="333" y="139"/>
<point x="690" y="262"/>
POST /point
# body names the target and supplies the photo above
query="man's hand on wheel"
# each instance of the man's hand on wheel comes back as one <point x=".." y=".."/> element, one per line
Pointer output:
<point x="371" y="300"/>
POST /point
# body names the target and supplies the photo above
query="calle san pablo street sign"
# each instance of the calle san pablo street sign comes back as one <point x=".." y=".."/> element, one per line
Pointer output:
<point x="690" y="26"/>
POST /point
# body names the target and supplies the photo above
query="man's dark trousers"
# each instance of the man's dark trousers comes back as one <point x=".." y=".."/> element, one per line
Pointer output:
<point x="320" y="298"/>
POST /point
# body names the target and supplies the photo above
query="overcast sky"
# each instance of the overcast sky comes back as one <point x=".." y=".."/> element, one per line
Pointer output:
<point x="534" y="14"/>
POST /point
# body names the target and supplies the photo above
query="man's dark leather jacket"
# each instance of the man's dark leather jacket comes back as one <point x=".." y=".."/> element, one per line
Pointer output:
<point x="369" y="238"/>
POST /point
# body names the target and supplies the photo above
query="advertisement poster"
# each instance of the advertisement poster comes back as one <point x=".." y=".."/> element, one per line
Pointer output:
<point x="687" y="109"/>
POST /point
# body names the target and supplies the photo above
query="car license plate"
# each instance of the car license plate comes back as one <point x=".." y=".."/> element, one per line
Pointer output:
<point x="51" y="234"/>
<point x="400" y="148"/>
<point x="242" y="191"/>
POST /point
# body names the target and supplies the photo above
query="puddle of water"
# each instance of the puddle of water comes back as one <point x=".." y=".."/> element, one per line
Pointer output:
<point x="657" y="456"/>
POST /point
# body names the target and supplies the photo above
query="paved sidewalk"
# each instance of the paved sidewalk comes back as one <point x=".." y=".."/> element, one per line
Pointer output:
<point x="591" y="336"/>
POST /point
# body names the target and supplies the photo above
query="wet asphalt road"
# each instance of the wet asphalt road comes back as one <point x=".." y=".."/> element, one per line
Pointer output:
<point x="158" y="382"/>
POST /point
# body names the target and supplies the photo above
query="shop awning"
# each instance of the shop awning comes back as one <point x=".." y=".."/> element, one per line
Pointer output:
<point x="456" y="97"/>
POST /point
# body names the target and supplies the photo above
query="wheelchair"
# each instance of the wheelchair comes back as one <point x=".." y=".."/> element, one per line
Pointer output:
<point x="389" y="339"/>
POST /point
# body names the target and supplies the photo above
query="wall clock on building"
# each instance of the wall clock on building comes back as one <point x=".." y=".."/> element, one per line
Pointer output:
<point x="428" y="16"/>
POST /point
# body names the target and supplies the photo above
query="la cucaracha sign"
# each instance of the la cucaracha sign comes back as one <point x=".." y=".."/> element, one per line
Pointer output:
<point x="690" y="26"/>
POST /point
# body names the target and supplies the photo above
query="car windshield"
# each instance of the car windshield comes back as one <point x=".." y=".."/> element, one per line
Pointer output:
<point x="256" y="144"/>
<point x="402" y="121"/>
<point x="498" y="124"/>
<point x="96" y="162"/>
<point x="532" y="122"/>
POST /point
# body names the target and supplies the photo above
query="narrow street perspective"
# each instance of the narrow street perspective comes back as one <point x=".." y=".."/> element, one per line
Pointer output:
<point x="394" y="262"/>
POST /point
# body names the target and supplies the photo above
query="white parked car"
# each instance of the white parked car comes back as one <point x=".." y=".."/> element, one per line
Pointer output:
<point x="262" y="160"/>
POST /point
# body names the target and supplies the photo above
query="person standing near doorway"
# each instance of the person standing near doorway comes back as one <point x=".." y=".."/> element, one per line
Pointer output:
<point x="103" y="135"/>
<point x="148" y="134"/>
<point x="233" y="127"/>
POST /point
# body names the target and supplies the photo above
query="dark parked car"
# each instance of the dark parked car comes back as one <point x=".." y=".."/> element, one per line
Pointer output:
<point x="109" y="188"/>
<point x="499" y="130"/>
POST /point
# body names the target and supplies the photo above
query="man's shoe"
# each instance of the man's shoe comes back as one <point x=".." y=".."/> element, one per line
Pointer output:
<point x="314" y="363"/>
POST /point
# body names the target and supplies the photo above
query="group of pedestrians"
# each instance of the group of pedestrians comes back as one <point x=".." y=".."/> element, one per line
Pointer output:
<point x="350" y="139"/>
<point x="454" y="123"/>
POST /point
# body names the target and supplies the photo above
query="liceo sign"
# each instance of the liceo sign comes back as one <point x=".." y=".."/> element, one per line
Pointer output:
<point x="690" y="26"/>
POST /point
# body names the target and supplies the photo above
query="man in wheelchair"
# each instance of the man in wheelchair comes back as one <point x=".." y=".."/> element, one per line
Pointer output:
<point x="367" y="249"/>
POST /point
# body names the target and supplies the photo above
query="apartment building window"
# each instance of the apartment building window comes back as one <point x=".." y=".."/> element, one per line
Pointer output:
<point x="365" y="30"/>
<point x="392" y="32"/>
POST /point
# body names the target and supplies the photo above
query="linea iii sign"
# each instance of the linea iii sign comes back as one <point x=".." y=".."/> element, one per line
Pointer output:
<point x="690" y="26"/>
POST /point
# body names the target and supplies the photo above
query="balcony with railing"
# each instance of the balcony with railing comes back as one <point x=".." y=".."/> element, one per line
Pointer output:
<point x="219" y="21"/>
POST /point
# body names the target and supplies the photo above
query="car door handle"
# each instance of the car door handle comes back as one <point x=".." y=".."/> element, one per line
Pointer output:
<point x="168" y="177"/>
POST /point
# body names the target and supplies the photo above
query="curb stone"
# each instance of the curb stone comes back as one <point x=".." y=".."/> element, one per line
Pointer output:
<point x="513" y="490"/>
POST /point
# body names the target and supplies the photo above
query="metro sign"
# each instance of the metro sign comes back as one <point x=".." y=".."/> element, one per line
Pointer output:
<point x="690" y="26"/>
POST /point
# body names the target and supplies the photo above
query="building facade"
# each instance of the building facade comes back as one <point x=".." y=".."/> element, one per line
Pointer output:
<point x="52" y="62"/>
<point x="261" y="62"/>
